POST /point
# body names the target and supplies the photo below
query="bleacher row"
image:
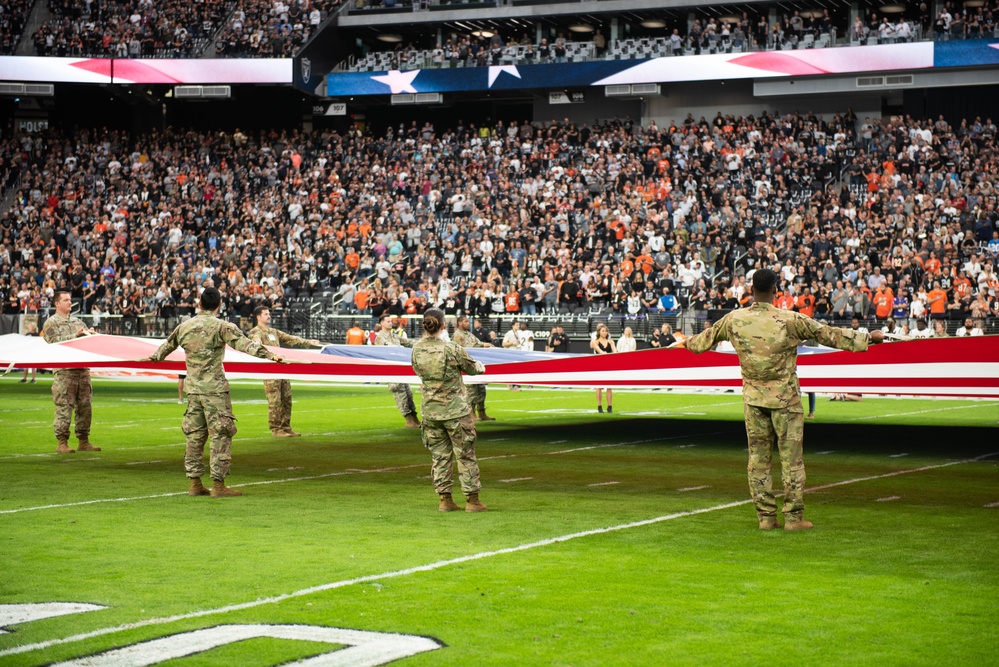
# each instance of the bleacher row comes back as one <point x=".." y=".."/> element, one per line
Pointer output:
<point x="513" y="54"/>
<point x="625" y="49"/>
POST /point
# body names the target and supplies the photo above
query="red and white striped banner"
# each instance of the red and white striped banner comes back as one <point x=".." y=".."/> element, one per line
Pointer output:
<point x="965" y="367"/>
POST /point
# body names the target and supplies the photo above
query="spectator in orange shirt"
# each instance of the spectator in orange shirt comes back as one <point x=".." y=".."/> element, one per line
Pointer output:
<point x="512" y="300"/>
<point x="784" y="301"/>
<point x="805" y="304"/>
<point x="645" y="261"/>
<point x="883" y="302"/>
<point x="932" y="265"/>
<point x="937" y="301"/>
<point x="352" y="259"/>
<point x="361" y="297"/>
<point x="355" y="335"/>
<point x="627" y="266"/>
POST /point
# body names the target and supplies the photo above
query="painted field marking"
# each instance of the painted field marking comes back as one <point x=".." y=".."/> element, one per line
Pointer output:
<point x="430" y="567"/>
<point x="514" y="479"/>
<point x="903" y="414"/>
<point x="77" y="459"/>
<point x="288" y="468"/>
<point x="685" y="446"/>
<point x="828" y="451"/>
<point x="991" y="505"/>
<point x="888" y="499"/>
<point x="603" y="484"/>
<point x="898" y="456"/>
<point x="143" y="463"/>
<point x="557" y="442"/>
<point x="341" y="473"/>
<point x="693" y="488"/>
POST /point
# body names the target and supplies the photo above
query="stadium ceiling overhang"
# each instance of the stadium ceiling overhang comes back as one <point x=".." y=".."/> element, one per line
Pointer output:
<point x="714" y="67"/>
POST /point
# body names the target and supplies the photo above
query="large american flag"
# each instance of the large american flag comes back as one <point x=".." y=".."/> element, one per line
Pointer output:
<point x="957" y="367"/>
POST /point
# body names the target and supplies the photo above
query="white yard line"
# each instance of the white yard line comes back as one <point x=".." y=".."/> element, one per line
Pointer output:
<point x="603" y="484"/>
<point x="340" y="473"/>
<point x="693" y="488"/>
<point x="430" y="567"/>
<point x="514" y="479"/>
<point x="888" y="499"/>
<point x="902" y="414"/>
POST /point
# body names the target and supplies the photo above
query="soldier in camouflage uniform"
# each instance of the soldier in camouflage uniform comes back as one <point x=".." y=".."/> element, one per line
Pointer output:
<point x="278" y="392"/>
<point x="476" y="392"/>
<point x="401" y="392"/>
<point x="766" y="340"/>
<point x="448" y="429"/>
<point x="71" y="389"/>
<point x="209" y="408"/>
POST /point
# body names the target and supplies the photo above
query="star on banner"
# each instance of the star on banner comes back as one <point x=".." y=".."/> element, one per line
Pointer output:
<point x="494" y="72"/>
<point x="399" y="82"/>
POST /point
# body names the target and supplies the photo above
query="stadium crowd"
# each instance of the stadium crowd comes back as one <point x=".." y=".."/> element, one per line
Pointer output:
<point x="129" y="28"/>
<point x="516" y="218"/>
<point x="177" y="29"/>
<point x="276" y="28"/>
<point x="267" y="29"/>
<point x="13" y="15"/>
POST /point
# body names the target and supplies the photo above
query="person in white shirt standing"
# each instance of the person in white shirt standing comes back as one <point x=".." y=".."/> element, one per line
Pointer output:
<point x="627" y="342"/>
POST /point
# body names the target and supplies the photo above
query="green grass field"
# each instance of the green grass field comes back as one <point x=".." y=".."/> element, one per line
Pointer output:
<point x="621" y="539"/>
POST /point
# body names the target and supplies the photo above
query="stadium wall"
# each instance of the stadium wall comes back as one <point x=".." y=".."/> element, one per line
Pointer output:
<point x="737" y="98"/>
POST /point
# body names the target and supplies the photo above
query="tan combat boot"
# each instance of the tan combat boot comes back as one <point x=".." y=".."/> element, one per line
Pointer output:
<point x="220" y="490"/>
<point x="85" y="446"/>
<point x="197" y="488"/>
<point x="768" y="522"/>
<point x="447" y="504"/>
<point x="797" y="524"/>
<point x="281" y="433"/>
<point x="484" y="417"/>
<point x="473" y="503"/>
<point x="63" y="448"/>
<point x="288" y="433"/>
<point x="412" y="421"/>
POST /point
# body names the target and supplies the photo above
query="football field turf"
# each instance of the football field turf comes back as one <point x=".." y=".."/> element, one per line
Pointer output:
<point x="612" y="539"/>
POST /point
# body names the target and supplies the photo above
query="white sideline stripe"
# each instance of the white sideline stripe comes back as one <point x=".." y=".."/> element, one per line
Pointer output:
<point x="437" y="565"/>
<point x="888" y="499"/>
<point x="693" y="488"/>
<point x="904" y="414"/>
<point x="902" y="472"/>
<point x="515" y="479"/>
<point x="339" y="473"/>
<point x="603" y="483"/>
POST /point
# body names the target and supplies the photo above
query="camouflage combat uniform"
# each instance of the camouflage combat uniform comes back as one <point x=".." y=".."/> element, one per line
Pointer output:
<point x="766" y="340"/>
<point x="448" y="429"/>
<point x="71" y="389"/>
<point x="209" y="407"/>
<point x="278" y="392"/>
<point x="401" y="392"/>
<point x="476" y="392"/>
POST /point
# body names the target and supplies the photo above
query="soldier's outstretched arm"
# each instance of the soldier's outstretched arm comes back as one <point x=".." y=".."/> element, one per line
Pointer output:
<point x="708" y="338"/>
<point x="168" y="346"/>
<point x="468" y="365"/>
<point x="237" y="340"/>
<point x="287" y="340"/>
<point x="842" y="339"/>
